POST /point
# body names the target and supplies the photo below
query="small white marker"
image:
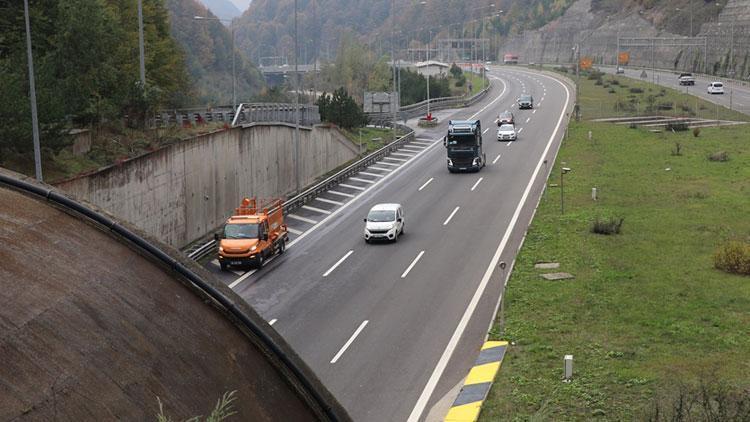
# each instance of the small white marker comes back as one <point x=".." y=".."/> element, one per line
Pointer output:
<point x="413" y="263"/>
<point x="477" y="183"/>
<point x="447" y="220"/>
<point x="273" y="321"/>
<point x="330" y="270"/>
<point x="527" y="119"/>
<point x="426" y="183"/>
<point x="348" y="343"/>
<point x="496" y="158"/>
<point x="519" y="130"/>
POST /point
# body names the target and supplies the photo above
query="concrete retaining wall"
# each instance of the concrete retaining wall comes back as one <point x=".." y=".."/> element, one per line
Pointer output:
<point x="180" y="193"/>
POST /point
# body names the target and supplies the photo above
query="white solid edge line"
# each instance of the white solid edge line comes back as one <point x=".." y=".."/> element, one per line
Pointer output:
<point x="413" y="263"/>
<point x="429" y="388"/>
<point x="273" y="321"/>
<point x="343" y="258"/>
<point x="497" y="158"/>
<point x="447" y="220"/>
<point x="426" y="183"/>
<point x="477" y="183"/>
<point x="350" y="341"/>
<point x="361" y="194"/>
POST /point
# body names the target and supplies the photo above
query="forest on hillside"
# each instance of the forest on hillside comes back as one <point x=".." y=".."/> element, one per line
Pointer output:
<point x="267" y="28"/>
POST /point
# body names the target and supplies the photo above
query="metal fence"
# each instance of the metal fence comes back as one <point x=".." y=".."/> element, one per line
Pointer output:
<point x="249" y="113"/>
<point x="420" y="109"/>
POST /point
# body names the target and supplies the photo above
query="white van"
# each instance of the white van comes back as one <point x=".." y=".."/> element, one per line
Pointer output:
<point x="384" y="221"/>
<point x="716" y="88"/>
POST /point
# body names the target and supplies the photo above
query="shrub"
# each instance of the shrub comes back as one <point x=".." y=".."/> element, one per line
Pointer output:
<point x="720" y="156"/>
<point x="677" y="126"/>
<point x="614" y="82"/>
<point x="665" y="106"/>
<point x="733" y="257"/>
<point x="561" y="69"/>
<point x="677" y="151"/>
<point x="636" y="90"/>
<point x="696" y="132"/>
<point x="607" y="227"/>
<point x="598" y="82"/>
<point x="612" y="91"/>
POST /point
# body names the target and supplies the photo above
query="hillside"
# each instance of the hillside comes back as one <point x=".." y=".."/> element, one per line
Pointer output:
<point x="267" y="28"/>
<point x="208" y="56"/>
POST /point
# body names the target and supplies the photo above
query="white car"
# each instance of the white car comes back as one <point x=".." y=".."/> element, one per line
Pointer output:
<point x="384" y="222"/>
<point x="506" y="133"/>
<point x="716" y="88"/>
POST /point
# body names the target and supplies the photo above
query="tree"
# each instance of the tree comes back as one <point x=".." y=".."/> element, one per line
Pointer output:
<point x="341" y="110"/>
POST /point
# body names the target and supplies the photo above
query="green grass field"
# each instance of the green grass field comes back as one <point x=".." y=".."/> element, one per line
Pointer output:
<point x="372" y="138"/>
<point x="646" y="311"/>
<point x="630" y="97"/>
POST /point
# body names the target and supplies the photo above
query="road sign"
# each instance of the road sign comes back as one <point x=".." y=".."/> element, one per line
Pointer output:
<point x="624" y="57"/>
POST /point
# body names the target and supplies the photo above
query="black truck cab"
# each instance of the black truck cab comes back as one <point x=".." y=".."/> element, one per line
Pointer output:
<point x="464" y="146"/>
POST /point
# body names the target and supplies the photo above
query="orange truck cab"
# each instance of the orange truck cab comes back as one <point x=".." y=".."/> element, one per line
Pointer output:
<point x="253" y="234"/>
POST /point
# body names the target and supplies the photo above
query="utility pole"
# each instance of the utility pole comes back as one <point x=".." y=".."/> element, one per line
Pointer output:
<point x="140" y="44"/>
<point x="296" y="105"/>
<point x="428" y="73"/>
<point x="234" y="77"/>
<point x="32" y="94"/>
<point x="393" y="63"/>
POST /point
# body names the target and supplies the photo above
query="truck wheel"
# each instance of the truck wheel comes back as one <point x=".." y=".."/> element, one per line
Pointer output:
<point x="223" y="266"/>
<point x="282" y="246"/>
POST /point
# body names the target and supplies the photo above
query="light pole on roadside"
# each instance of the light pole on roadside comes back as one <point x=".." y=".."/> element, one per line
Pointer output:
<point x="141" y="49"/>
<point x="234" y="73"/>
<point x="296" y="104"/>
<point x="32" y="95"/>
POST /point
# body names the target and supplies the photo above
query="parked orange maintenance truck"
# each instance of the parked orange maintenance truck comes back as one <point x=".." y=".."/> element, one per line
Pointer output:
<point x="253" y="234"/>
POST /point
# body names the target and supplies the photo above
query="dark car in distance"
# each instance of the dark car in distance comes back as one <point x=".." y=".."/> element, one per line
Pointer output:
<point x="505" y="118"/>
<point x="525" y="101"/>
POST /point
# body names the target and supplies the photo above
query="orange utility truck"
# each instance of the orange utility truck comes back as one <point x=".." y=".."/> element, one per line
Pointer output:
<point x="253" y="234"/>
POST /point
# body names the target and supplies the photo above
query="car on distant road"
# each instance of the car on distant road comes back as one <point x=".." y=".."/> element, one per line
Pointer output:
<point x="384" y="222"/>
<point x="506" y="132"/>
<point x="619" y="70"/>
<point x="686" y="79"/>
<point x="505" y="118"/>
<point x="525" y="101"/>
<point x="715" y="88"/>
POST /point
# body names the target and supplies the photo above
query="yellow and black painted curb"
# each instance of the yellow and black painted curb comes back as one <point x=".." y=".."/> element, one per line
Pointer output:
<point x="468" y="404"/>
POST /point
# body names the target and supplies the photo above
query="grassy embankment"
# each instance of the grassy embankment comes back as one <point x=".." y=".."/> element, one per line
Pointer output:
<point x="372" y="138"/>
<point x="646" y="311"/>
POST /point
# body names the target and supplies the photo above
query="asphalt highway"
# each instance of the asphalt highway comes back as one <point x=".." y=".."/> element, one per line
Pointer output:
<point x="736" y="97"/>
<point x="392" y="328"/>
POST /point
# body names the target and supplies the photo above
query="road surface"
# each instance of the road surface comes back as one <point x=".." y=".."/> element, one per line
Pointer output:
<point x="392" y="328"/>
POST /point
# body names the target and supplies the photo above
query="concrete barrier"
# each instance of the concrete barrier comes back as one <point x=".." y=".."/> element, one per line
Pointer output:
<point x="181" y="192"/>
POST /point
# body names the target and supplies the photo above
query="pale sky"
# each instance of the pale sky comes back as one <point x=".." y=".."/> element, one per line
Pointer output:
<point x="241" y="4"/>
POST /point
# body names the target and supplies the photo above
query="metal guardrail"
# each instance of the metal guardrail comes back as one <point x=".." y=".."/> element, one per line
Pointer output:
<point x="420" y="109"/>
<point x="311" y="193"/>
<point x="250" y="113"/>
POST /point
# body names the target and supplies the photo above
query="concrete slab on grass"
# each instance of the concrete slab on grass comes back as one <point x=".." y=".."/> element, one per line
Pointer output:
<point x="547" y="265"/>
<point x="557" y="276"/>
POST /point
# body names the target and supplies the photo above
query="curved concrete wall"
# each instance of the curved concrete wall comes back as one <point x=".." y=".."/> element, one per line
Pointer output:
<point x="96" y="322"/>
<point x="180" y="193"/>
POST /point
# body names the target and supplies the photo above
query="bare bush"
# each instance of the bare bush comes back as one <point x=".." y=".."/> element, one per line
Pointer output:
<point x="733" y="257"/>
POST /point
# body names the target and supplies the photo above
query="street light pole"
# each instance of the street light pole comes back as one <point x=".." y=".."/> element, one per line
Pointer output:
<point x="428" y="74"/>
<point x="32" y="94"/>
<point x="393" y="63"/>
<point x="140" y="44"/>
<point x="296" y="106"/>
